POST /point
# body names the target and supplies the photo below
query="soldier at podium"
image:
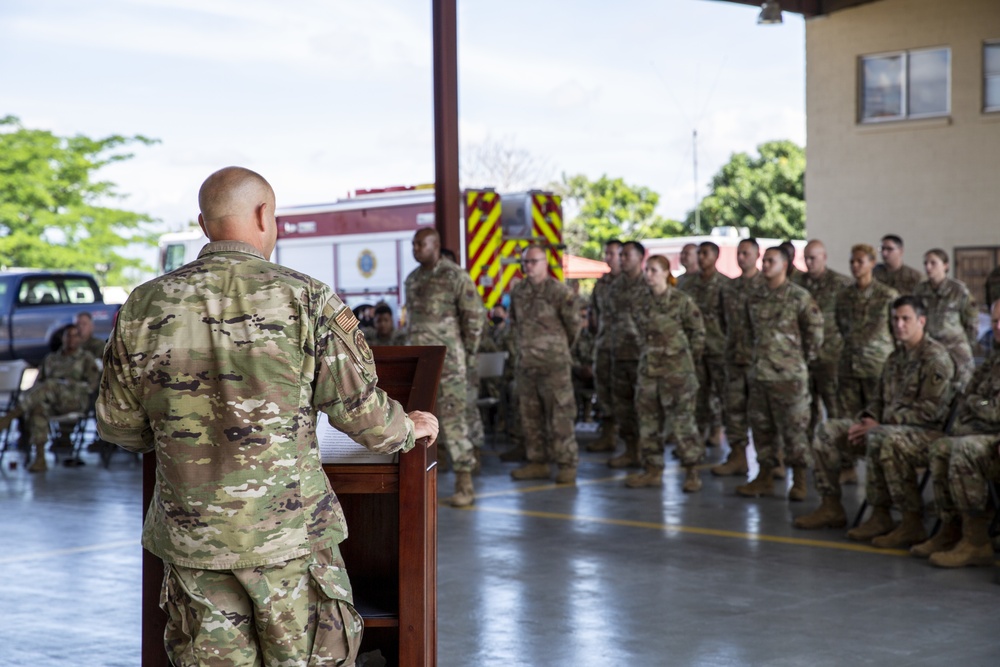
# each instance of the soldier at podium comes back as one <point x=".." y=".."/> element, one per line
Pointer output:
<point x="220" y="368"/>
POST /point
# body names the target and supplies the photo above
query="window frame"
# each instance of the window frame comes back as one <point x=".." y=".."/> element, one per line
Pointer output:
<point x="905" y="113"/>
<point x="987" y="44"/>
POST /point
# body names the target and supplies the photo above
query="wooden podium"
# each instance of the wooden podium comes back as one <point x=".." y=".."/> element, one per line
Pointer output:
<point x="391" y="510"/>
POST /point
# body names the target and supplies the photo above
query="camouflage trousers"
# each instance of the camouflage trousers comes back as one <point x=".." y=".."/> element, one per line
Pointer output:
<point x="46" y="400"/>
<point x="831" y="446"/>
<point x="901" y="450"/>
<point x="711" y="393"/>
<point x="737" y="401"/>
<point x="623" y="381"/>
<point x="961" y="469"/>
<point x="547" y="415"/>
<point x="664" y="404"/>
<point x="452" y="413"/>
<point x="779" y="412"/>
<point x="603" y="384"/>
<point x="823" y="394"/>
<point x="477" y="435"/>
<point x="513" y="415"/>
<point x="855" y="394"/>
<point x="299" y="612"/>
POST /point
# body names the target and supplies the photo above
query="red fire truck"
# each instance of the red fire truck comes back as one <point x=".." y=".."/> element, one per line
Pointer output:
<point x="361" y="245"/>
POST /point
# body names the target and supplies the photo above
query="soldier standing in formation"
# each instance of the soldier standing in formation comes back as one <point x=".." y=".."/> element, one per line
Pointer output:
<point x="66" y="380"/>
<point x="220" y="368"/>
<point x="689" y="260"/>
<point x="583" y="364"/>
<point x="739" y="354"/>
<point x="962" y="466"/>
<point x="545" y="320"/>
<point x="602" y="308"/>
<point x="786" y="327"/>
<point x="823" y="284"/>
<point x="892" y="271"/>
<point x="384" y="332"/>
<point x="627" y="291"/>
<point x="912" y="403"/>
<point x="445" y="309"/>
<point x="672" y="335"/>
<point x="952" y="316"/>
<point x="708" y="288"/>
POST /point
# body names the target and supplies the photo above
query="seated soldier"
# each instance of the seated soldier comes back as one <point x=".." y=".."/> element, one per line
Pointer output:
<point x="962" y="465"/>
<point x="65" y="382"/>
<point x="384" y="332"/>
<point x="88" y="341"/>
<point x="911" y="404"/>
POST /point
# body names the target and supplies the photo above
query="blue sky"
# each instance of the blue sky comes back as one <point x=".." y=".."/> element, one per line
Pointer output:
<point x="325" y="96"/>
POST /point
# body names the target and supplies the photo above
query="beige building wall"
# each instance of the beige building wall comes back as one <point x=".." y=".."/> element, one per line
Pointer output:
<point x="935" y="182"/>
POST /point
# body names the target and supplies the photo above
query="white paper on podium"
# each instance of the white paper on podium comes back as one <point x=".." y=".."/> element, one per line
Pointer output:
<point x="337" y="447"/>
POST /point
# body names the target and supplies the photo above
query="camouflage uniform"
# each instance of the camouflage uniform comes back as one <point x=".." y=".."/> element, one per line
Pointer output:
<point x="545" y="318"/>
<point x="739" y="355"/>
<point x="863" y="321"/>
<point x="397" y="337"/>
<point x="626" y="295"/>
<point x="823" y="389"/>
<point x="786" y="327"/>
<point x="445" y="309"/>
<point x="601" y="306"/>
<point x="963" y="463"/>
<point x="911" y="406"/>
<point x="65" y="383"/>
<point x="220" y="367"/>
<point x="95" y="346"/>
<point x="583" y="357"/>
<point x="952" y="319"/>
<point x="992" y="287"/>
<point x="708" y="295"/>
<point x="904" y="280"/>
<point x="673" y="337"/>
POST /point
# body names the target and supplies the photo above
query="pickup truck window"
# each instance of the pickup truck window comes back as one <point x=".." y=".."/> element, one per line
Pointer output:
<point x="50" y="290"/>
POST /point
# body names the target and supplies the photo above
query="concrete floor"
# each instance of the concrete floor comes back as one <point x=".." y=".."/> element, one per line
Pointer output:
<point x="538" y="575"/>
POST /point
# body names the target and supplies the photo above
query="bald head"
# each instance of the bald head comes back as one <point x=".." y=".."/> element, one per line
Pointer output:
<point x="238" y="205"/>
<point x="427" y="246"/>
<point x="815" y="258"/>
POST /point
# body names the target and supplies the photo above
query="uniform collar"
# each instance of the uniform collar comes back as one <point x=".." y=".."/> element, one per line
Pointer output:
<point x="230" y="246"/>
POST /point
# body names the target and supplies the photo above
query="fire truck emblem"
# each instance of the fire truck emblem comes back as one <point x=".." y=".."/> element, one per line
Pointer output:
<point x="367" y="263"/>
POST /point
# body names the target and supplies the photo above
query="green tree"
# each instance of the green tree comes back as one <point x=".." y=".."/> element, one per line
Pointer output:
<point x="609" y="208"/>
<point x="53" y="212"/>
<point x="765" y="193"/>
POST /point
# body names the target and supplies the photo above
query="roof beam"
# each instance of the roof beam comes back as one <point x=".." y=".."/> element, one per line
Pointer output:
<point x="808" y="8"/>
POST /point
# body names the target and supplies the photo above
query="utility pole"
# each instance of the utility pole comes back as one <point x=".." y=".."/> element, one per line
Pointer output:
<point x="697" y="204"/>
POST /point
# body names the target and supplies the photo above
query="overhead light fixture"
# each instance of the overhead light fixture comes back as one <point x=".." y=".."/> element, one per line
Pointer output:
<point x="770" y="13"/>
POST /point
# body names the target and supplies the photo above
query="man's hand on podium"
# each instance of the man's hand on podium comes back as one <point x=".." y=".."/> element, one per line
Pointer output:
<point x="425" y="427"/>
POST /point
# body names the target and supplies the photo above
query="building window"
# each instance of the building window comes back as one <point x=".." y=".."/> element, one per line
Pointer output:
<point x="991" y="76"/>
<point x="907" y="84"/>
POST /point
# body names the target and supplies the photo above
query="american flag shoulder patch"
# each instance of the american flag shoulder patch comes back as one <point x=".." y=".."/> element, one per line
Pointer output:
<point x="346" y="320"/>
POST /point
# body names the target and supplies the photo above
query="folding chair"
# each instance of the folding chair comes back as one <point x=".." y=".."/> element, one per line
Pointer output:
<point x="490" y="366"/>
<point x="77" y="423"/>
<point x="26" y="377"/>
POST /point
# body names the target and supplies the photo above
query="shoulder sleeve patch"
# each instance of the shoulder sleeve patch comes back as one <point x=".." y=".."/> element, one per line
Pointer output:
<point x="346" y="320"/>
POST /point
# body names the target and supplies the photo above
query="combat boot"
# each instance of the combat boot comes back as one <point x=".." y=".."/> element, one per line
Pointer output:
<point x="566" y="475"/>
<point x="735" y="465"/>
<point x="879" y="523"/>
<point x="798" y="491"/>
<point x="944" y="540"/>
<point x="464" y="493"/>
<point x="830" y="514"/>
<point x="762" y="485"/>
<point x="606" y="441"/>
<point x="778" y="472"/>
<point x="974" y="549"/>
<point x="39" y="464"/>
<point x="532" y="471"/>
<point x="692" y="482"/>
<point x="909" y="532"/>
<point x="514" y="454"/>
<point x="630" y="459"/>
<point x="650" y="476"/>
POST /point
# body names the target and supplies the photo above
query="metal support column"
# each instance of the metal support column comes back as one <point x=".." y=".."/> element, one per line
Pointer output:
<point x="446" y="190"/>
